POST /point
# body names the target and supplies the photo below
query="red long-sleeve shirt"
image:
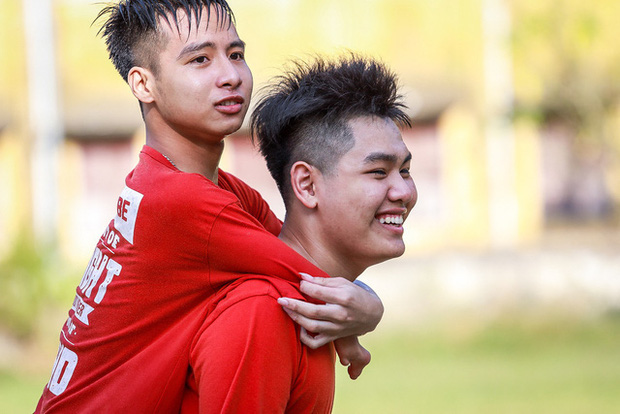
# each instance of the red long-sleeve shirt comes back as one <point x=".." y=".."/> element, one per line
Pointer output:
<point x="176" y="239"/>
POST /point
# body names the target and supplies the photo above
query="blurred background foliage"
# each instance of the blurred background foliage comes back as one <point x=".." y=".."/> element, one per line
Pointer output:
<point x="566" y="70"/>
<point x="25" y="288"/>
<point x="34" y="278"/>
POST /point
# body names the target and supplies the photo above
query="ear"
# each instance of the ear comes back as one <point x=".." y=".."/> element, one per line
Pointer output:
<point x="303" y="176"/>
<point x="140" y="81"/>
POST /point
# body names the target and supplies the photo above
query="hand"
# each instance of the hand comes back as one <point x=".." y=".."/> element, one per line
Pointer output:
<point x="349" y="309"/>
<point x="353" y="354"/>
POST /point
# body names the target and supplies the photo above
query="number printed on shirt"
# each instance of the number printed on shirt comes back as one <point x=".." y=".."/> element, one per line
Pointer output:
<point x="65" y="364"/>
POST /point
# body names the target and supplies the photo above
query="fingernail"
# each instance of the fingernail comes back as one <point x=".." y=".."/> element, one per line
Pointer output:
<point x="282" y="302"/>
<point x="305" y="276"/>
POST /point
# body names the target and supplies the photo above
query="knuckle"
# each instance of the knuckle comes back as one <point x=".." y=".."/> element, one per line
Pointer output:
<point x="311" y="312"/>
<point x="347" y="298"/>
<point x="313" y="344"/>
<point x="292" y="306"/>
<point x="339" y="281"/>
<point x="294" y="316"/>
<point x="343" y="316"/>
<point x="312" y="326"/>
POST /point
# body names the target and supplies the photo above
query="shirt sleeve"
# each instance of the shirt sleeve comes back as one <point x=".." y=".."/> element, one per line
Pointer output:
<point x="238" y="244"/>
<point x="252" y="202"/>
<point x="246" y="357"/>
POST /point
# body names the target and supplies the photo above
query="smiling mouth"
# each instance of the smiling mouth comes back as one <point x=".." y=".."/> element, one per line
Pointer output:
<point x="394" y="220"/>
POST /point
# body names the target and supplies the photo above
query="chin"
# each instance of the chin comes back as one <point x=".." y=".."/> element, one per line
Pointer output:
<point x="397" y="251"/>
<point x="231" y="128"/>
<point x="390" y="254"/>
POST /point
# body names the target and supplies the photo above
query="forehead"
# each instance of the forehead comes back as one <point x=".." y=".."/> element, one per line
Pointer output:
<point x="374" y="135"/>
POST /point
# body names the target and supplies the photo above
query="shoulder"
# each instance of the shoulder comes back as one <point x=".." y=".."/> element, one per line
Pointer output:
<point x="247" y="311"/>
<point x="251" y="201"/>
<point x="173" y="191"/>
<point x="247" y="196"/>
<point x="231" y="182"/>
<point x="250" y="305"/>
<point x="258" y="289"/>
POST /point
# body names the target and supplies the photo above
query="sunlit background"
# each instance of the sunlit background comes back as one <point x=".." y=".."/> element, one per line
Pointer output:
<point x="508" y="297"/>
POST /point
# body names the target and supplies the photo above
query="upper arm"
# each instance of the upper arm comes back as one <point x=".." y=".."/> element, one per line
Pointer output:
<point x="246" y="357"/>
<point x="238" y="244"/>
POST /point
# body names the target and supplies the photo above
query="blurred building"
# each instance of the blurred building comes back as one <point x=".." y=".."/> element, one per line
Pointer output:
<point x="488" y="176"/>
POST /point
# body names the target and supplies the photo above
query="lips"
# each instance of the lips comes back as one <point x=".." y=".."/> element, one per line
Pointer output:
<point x="230" y="105"/>
<point x="393" y="219"/>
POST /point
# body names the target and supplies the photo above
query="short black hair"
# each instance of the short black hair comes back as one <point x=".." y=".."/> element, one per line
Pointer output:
<point x="131" y="28"/>
<point x="304" y="114"/>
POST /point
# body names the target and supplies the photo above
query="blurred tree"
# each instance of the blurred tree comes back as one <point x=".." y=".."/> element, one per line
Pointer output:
<point x="566" y="63"/>
<point x="567" y="70"/>
<point x="24" y="287"/>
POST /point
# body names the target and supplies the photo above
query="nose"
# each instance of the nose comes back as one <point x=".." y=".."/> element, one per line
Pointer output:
<point x="228" y="74"/>
<point x="403" y="190"/>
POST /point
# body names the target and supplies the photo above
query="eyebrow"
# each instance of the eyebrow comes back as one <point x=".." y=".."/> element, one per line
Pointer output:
<point x="194" y="47"/>
<point x="382" y="156"/>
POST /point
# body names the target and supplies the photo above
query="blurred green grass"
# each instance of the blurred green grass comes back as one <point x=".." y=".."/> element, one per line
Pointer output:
<point x="511" y="368"/>
<point x="560" y="367"/>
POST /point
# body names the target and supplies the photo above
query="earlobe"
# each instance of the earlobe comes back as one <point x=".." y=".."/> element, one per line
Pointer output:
<point x="139" y="80"/>
<point x="303" y="182"/>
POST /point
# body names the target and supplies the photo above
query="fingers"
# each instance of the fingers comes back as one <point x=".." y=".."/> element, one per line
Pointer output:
<point x="305" y="311"/>
<point x="353" y="354"/>
<point x="355" y="370"/>
<point x="316" y="326"/>
<point x="309" y="310"/>
<point x="358" y="363"/>
<point x="349" y="309"/>
<point x="335" y="290"/>
<point x="313" y="341"/>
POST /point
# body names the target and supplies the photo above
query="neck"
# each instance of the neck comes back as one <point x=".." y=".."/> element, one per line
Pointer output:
<point x="199" y="156"/>
<point x="309" y="244"/>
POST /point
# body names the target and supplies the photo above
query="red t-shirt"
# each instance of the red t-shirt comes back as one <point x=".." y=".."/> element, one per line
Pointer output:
<point x="247" y="357"/>
<point x="176" y="239"/>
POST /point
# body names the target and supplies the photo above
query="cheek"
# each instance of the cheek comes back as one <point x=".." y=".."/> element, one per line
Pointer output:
<point x="248" y="80"/>
<point x="195" y="86"/>
<point x="414" y="198"/>
<point x="366" y="206"/>
<point x="176" y="93"/>
<point x="373" y="197"/>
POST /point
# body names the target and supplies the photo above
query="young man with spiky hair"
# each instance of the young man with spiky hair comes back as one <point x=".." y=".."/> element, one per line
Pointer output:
<point x="183" y="230"/>
<point x="329" y="132"/>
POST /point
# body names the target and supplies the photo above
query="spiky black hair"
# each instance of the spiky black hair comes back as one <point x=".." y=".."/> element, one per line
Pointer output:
<point x="131" y="27"/>
<point x="304" y="114"/>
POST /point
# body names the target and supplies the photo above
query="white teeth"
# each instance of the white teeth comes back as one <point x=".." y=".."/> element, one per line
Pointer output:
<point x="397" y="220"/>
<point x="227" y="103"/>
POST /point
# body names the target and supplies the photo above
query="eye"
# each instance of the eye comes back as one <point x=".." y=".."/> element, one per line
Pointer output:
<point x="378" y="173"/>
<point x="405" y="172"/>
<point x="200" y="60"/>
<point x="237" y="56"/>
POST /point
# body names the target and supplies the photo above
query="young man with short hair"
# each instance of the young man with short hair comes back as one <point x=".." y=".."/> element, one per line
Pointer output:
<point x="183" y="229"/>
<point x="329" y="132"/>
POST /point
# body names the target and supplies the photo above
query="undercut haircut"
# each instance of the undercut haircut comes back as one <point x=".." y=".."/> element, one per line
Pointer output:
<point x="304" y="114"/>
<point x="132" y="28"/>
